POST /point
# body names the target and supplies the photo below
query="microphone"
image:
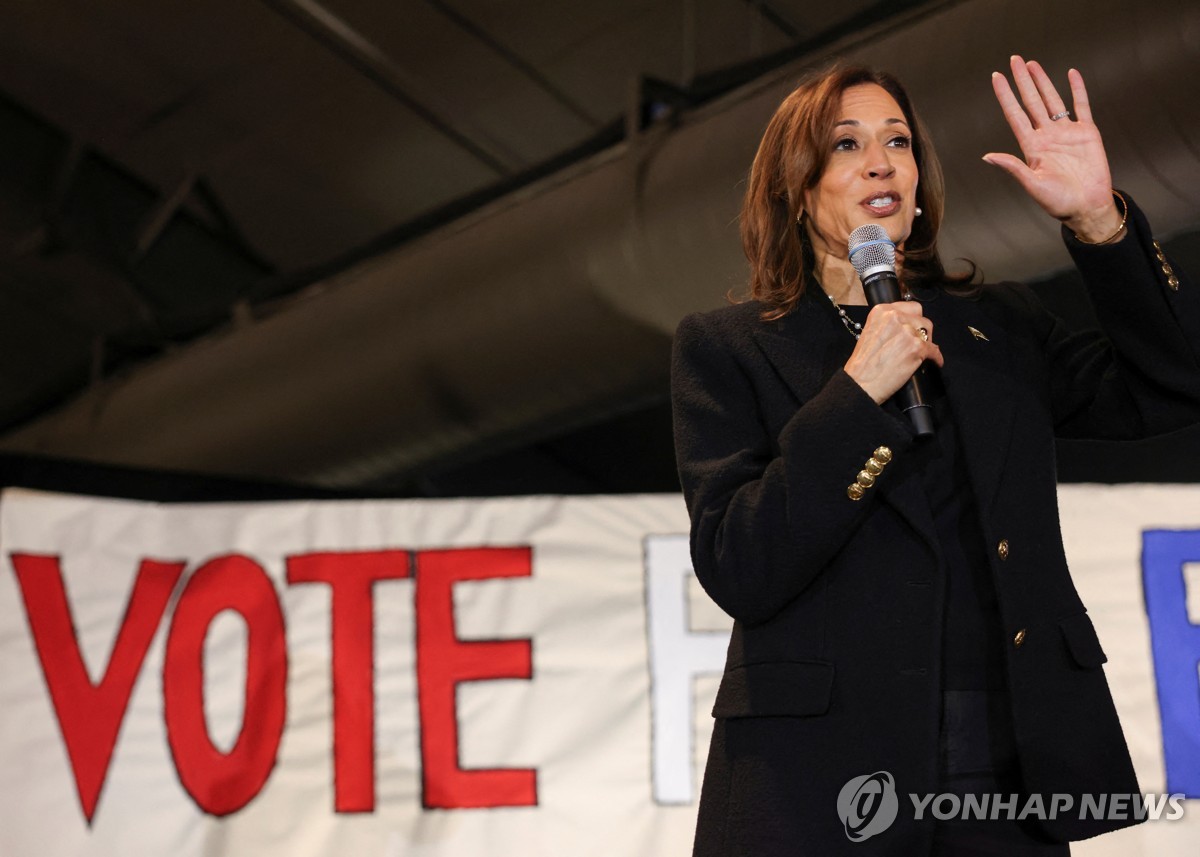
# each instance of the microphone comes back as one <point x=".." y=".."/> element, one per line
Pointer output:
<point x="873" y="256"/>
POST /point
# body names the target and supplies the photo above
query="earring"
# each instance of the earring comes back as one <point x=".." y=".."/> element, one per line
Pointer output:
<point x="800" y="217"/>
<point x="917" y="211"/>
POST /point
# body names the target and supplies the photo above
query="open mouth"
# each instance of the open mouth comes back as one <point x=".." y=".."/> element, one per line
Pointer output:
<point x="882" y="203"/>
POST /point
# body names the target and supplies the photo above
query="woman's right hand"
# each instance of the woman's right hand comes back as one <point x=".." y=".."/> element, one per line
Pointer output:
<point x="891" y="349"/>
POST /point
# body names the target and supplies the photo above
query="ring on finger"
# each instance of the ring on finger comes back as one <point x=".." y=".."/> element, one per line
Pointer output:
<point x="923" y="333"/>
<point x="1063" y="115"/>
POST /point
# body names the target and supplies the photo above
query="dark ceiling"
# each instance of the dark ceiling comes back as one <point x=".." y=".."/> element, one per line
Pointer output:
<point x="173" y="170"/>
<point x="168" y="167"/>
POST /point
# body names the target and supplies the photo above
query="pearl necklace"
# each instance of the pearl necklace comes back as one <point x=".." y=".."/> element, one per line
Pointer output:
<point x="853" y="326"/>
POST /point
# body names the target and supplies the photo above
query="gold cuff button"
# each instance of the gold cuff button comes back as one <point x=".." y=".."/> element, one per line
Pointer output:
<point x="866" y="477"/>
<point x="1019" y="638"/>
<point x="1002" y="549"/>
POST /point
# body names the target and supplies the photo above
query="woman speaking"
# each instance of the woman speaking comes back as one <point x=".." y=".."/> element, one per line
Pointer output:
<point x="904" y="616"/>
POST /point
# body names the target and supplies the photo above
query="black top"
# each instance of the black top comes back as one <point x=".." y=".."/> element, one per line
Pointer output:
<point x="972" y="640"/>
<point x="770" y="430"/>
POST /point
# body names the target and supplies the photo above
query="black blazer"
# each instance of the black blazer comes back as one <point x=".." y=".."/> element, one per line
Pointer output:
<point x="833" y="665"/>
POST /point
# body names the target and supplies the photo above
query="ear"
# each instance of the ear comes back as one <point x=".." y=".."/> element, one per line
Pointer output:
<point x="808" y="205"/>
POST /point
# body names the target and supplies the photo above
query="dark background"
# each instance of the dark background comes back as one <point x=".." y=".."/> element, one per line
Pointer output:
<point x="278" y="248"/>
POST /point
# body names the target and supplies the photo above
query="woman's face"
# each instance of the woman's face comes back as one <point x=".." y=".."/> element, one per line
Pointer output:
<point x="871" y="174"/>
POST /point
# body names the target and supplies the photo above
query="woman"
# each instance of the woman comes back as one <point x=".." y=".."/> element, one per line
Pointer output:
<point x="903" y="608"/>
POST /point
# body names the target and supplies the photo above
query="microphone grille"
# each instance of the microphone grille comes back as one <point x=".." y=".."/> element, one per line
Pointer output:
<point x="870" y="248"/>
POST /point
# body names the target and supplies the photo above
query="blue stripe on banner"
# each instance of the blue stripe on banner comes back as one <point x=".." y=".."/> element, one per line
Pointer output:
<point x="1175" y="642"/>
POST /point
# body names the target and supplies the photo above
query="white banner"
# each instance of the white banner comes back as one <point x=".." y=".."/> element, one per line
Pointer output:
<point x="487" y="678"/>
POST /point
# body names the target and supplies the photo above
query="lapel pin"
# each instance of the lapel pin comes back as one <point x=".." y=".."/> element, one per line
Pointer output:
<point x="978" y="334"/>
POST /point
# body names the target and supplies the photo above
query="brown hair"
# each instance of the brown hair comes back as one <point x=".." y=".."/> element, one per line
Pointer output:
<point x="790" y="160"/>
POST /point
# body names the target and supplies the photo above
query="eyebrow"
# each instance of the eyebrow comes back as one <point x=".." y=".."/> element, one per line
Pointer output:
<point x="885" y="122"/>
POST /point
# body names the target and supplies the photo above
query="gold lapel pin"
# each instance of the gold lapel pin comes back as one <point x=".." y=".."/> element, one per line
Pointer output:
<point x="978" y="334"/>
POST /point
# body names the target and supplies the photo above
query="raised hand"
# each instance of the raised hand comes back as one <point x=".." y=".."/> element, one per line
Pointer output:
<point x="1065" y="169"/>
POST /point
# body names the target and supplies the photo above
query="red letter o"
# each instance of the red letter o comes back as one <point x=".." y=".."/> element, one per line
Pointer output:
<point x="222" y="783"/>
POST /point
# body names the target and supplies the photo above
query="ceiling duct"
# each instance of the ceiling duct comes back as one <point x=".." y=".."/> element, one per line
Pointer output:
<point x="559" y="300"/>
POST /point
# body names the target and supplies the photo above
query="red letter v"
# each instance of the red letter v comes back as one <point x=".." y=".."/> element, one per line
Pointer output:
<point x="90" y="715"/>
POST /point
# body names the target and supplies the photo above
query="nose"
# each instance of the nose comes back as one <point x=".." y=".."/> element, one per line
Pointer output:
<point x="877" y="164"/>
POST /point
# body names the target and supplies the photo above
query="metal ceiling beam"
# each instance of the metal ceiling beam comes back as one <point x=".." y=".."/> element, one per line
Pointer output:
<point x="158" y="218"/>
<point x="769" y="13"/>
<point x="222" y="222"/>
<point x="515" y="60"/>
<point x="371" y="62"/>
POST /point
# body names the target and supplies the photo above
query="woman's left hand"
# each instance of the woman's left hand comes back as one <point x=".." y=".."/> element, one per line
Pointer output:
<point x="1065" y="169"/>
